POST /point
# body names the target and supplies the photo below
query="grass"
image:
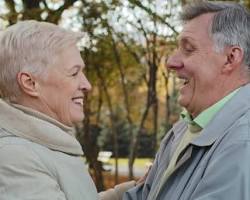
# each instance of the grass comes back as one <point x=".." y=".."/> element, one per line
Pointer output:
<point x="109" y="179"/>
<point x="139" y="162"/>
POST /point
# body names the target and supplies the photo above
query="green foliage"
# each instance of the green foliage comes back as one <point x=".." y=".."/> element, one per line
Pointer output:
<point x="105" y="140"/>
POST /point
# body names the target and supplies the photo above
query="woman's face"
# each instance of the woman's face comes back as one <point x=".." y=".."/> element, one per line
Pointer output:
<point x="61" y="93"/>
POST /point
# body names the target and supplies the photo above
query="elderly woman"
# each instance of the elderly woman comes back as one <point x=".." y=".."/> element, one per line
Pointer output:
<point x="43" y="87"/>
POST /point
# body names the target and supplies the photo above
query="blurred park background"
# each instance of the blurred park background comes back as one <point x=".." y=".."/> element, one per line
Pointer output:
<point x="133" y="100"/>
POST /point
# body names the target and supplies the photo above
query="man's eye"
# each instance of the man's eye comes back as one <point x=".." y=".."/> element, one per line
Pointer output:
<point x="189" y="50"/>
<point x="75" y="74"/>
<point x="186" y="47"/>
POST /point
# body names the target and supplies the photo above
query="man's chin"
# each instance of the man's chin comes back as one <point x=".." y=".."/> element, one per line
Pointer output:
<point x="78" y="119"/>
<point x="182" y="101"/>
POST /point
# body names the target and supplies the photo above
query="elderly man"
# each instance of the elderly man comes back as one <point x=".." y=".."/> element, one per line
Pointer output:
<point x="206" y="155"/>
<point x="43" y="87"/>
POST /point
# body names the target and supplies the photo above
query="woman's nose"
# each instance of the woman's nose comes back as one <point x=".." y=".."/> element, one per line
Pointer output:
<point x="85" y="84"/>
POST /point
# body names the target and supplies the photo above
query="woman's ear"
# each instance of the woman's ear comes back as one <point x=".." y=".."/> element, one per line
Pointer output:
<point x="234" y="59"/>
<point x="27" y="83"/>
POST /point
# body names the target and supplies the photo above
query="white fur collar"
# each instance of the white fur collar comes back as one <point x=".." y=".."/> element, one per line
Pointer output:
<point x="39" y="128"/>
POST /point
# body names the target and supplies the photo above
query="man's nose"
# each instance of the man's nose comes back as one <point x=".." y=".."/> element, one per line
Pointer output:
<point x="174" y="62"/>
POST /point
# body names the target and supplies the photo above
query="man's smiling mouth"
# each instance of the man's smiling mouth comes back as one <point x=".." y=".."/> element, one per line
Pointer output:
<point x="78" y="100"/>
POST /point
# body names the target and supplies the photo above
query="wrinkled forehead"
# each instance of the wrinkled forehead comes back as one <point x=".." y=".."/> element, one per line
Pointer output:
<point x="197" y="28"/>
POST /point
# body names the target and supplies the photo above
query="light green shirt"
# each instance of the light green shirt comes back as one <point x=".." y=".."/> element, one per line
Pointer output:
<point x="205" y="117"/>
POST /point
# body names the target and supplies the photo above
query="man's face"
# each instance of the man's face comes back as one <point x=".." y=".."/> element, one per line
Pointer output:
<point x="198" y="65"/>
<point x="62" y="92"/>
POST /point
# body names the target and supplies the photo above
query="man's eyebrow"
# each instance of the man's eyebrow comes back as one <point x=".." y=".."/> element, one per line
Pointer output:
<point x="186" y="40"/>
<point x="78" y="67"/>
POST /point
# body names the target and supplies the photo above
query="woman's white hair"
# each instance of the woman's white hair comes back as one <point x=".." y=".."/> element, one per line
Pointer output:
<point x="30" y="46"/>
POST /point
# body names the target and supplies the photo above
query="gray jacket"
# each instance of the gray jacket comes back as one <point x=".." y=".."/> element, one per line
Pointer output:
<point x="215" y="166"/>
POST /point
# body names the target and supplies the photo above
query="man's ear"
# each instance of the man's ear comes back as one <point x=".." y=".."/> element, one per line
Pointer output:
<point x="27" y="83"/>
<point x="234" y="59"/>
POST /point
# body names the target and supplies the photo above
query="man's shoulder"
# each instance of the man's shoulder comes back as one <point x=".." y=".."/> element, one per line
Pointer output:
<point x="237" y="135"/>
<point x="240" y="130"/>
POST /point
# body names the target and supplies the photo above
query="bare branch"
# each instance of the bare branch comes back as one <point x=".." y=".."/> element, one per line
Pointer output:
<point x="150" y="12"/>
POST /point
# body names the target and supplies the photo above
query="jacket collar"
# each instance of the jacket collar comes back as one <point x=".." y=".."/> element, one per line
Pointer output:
<point x="225" y="118"/>
<point x="39" y="128"/>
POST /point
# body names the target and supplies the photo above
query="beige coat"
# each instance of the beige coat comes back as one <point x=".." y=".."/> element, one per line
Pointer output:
<point x="42" y="160"/>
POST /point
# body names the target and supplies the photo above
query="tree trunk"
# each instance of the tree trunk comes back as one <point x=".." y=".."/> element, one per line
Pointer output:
<point x="112" y="121"/>
<point x="91" y="151"/>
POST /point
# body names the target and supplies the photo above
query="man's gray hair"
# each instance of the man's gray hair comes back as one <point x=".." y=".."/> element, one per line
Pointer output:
<point x="230" y="26"/>
<point x="30" y="46"/>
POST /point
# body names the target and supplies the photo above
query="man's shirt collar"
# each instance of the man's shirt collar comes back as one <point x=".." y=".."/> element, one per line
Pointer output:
<point x="205" y="117"/>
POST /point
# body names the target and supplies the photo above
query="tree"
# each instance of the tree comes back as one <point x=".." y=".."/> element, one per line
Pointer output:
<point x="124" y="52"/>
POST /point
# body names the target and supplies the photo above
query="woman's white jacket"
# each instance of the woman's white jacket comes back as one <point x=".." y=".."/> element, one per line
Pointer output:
<point x="40" y="159"/>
